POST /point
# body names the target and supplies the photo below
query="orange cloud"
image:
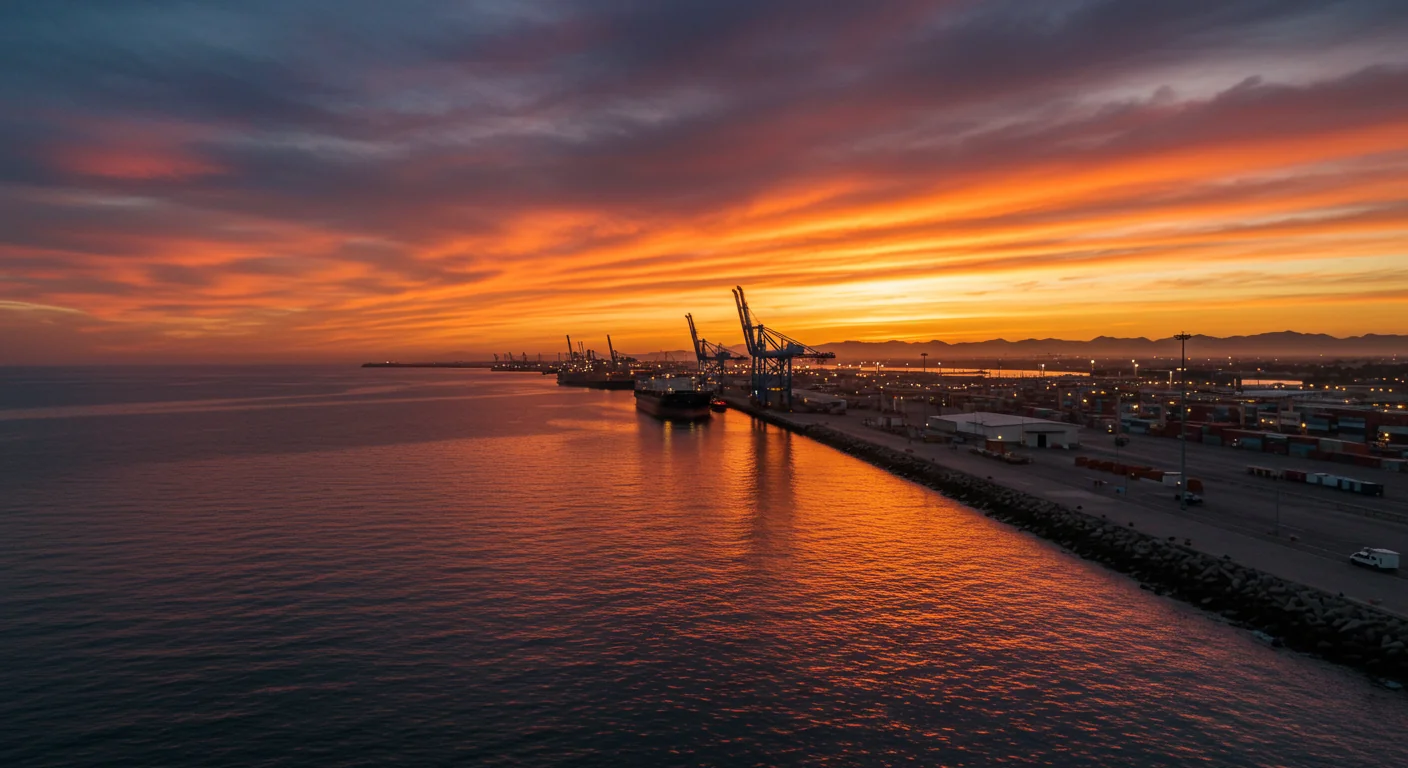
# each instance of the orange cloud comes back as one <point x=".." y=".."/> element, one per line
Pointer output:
<point x="866" y="178"/>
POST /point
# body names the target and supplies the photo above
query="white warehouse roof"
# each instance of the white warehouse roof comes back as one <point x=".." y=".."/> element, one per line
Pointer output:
<point x="973" y="422"/>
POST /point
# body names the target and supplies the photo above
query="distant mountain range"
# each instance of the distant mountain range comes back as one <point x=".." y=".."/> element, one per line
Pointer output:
<point x="1283" y="344"/>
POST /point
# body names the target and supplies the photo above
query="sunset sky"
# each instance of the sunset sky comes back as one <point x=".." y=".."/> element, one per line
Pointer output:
<point x="282" y="180"/>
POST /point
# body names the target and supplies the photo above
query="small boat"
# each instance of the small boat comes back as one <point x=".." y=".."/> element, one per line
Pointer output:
<point x="717" y="405"/>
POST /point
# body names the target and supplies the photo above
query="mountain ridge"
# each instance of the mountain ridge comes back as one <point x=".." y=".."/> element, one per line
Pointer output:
<point x="1289" y="344"/>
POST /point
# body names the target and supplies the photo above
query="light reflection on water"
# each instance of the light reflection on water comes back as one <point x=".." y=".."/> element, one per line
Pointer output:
<point x="531" y="575"/>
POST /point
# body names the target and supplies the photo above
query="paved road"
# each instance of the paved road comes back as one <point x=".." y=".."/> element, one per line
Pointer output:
<point x="1237" y="520"/>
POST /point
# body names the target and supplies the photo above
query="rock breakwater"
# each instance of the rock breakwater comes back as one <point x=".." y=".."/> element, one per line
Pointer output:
<point x="1278" y="610"/>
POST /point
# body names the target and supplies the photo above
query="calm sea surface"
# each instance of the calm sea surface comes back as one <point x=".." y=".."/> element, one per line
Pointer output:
<point x="318" y="566"/>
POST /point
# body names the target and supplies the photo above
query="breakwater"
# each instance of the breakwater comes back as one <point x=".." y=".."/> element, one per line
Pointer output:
<point x="1281" y="611"/>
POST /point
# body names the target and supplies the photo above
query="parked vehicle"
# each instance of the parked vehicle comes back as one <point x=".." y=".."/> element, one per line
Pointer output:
<point x="1325" y="479"/>
<point x="1377" y="559"/>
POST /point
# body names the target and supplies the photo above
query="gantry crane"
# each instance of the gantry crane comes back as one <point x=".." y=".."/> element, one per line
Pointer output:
<point x="713" y="358"/>
<point x="772" y="353"/>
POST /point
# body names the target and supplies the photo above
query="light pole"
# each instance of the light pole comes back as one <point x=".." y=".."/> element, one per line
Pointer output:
<point x="1117" y="423"/>
<point x="1136" y="372"/>
<point x="1092" y="368"/>
<point x="924" y="364"/>
<point x="1183" y="419"/>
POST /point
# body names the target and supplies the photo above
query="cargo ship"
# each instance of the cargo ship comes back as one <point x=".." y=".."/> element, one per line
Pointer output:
<point x="593" y="377"/>
<point x="673" y="398"/>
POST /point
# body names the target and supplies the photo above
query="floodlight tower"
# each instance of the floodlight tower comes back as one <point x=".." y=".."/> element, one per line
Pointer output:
<point x="1183" y="420"/>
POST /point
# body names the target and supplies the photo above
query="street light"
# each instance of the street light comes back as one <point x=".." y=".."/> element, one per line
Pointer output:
<point x="1183" y="426"/>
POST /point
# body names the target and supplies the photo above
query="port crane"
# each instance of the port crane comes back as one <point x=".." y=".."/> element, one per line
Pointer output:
<point x="772" y="352"/>
<point x="577" y="354"/>
<point x="713" y="358"/>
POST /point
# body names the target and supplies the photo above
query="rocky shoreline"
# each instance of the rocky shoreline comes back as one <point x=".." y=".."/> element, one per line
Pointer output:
<point x="1279" y="611"/>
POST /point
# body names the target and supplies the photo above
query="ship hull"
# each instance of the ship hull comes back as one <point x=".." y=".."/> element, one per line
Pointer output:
<point x="674" y="406"/>
<point x="596" y="380"/>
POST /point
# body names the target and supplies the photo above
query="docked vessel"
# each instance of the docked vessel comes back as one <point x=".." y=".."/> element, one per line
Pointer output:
<point x="584" y="368"/>
<point x="593" y="377"/>
<point x="718" y="405"/>
<point x="674" y="398"/>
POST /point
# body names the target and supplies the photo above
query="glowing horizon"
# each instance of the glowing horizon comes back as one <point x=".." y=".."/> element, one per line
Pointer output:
<point x="285" y="182"/>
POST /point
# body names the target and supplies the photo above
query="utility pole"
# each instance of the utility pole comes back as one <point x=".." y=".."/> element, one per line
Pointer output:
<point x="1183" y="419"/>
<point x="924" y="370"/>
<point x="1118" y="403"/>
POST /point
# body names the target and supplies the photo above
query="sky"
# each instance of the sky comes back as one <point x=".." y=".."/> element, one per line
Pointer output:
<point x="203" y="180"/>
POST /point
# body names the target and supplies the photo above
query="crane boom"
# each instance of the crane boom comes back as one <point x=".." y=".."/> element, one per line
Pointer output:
<point x="772" y="354"/>
<point x="694" y="337"/>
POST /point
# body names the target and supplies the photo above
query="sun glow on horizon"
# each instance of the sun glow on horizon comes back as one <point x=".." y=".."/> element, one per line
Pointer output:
<point x="419" y="206"/>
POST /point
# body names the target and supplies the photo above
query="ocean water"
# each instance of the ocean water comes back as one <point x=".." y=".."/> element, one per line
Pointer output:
<point x="347" y="567"/>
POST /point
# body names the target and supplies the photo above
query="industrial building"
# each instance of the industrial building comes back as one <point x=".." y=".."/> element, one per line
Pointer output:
<point x="817" y="402"/>
<point x="1007" y="428"/>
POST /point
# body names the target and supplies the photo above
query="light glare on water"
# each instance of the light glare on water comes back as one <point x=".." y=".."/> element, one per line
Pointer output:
<point x="328" y="567"/>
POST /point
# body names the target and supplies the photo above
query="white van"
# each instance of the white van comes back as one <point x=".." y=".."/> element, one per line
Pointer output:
<point x="1378" y="559"/>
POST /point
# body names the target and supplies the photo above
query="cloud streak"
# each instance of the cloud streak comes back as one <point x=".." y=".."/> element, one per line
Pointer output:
<point x="195" y="179"/>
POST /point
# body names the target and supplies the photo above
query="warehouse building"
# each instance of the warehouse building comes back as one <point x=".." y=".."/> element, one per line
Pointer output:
<point x="1004" y="427"/>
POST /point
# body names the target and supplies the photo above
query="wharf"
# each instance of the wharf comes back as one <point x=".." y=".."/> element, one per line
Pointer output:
<point x="1215" y="530"/>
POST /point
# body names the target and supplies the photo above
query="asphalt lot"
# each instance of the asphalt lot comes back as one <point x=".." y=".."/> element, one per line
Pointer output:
<point x="1333" y="521"/>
